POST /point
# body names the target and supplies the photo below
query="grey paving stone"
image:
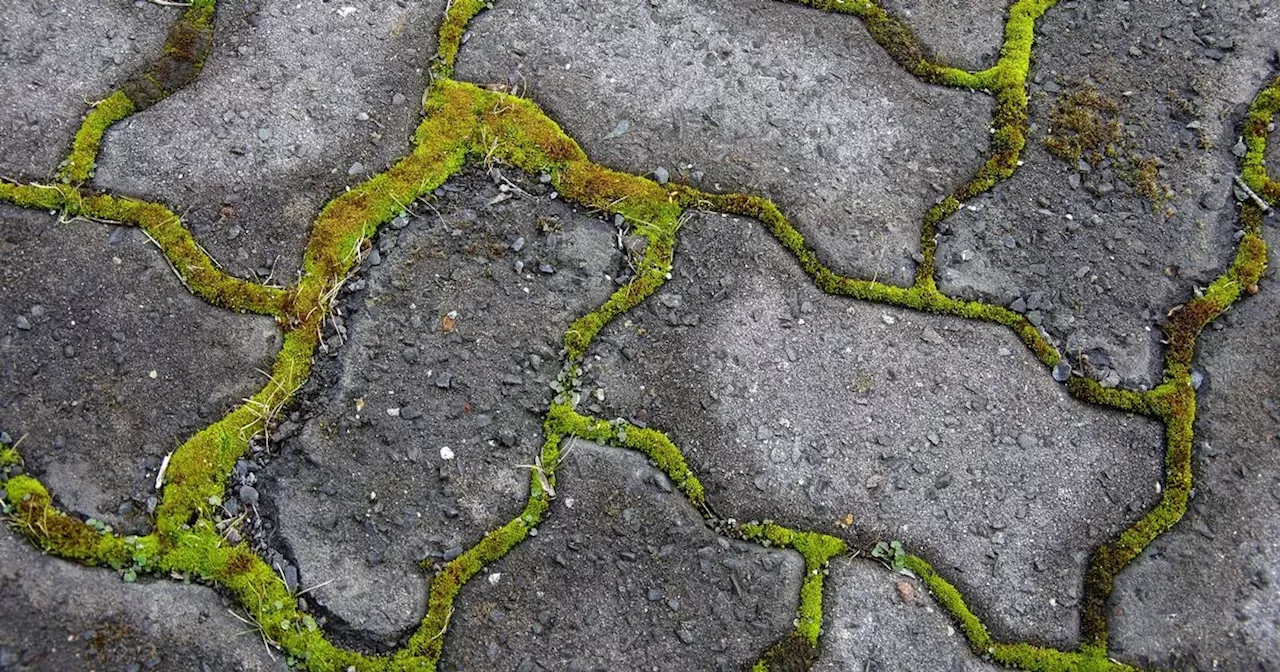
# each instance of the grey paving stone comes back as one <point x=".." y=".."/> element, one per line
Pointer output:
<point x="877" y="620"/>
<point x="117" y="364"/>
<point x="623" y="575"/>
<point x="964" y="33"/>
<point x="60" y="616"/>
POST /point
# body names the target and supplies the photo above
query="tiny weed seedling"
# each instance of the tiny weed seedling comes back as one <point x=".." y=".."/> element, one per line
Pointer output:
<point x="891" y="554"/>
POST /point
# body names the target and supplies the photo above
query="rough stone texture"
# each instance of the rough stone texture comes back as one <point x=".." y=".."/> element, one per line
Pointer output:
<point x="58" y="56"/>
<point x="941" y="433"/>
<point x="963" y="33"/>
<point x="766" y="97"/>
<point x="59" y="616"/>
<point x="1099" y="263"/>
<point x="802" y="407"/>
<point x="89" y="313"/>
<point x="1206" y="595"/>
<point x="877" y="620"/>
<point x="624" y="574"/>
<point x="296" y="102"/>
<point x="478" y="389"/>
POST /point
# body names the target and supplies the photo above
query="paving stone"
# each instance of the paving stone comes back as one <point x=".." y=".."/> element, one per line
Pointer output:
<point x="60" y="616"/>
<point x="963" y="33"/>
<point x="376" y="426"/>
<point x="850" y="418"/>
<point x="119" y="365"/>
<point x="768" y="102"/>
<point x="624" y="576"/>
<point x="869" y="626"/>
<point x="292" y="94"/>
<point x="58" y="56"/>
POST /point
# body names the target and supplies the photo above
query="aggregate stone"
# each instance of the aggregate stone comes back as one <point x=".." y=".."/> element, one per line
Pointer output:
<point x="60" y="616"/>
<point x="849" y="423"/>
<point x="57" y="56"/>
<point x="390" y="466"/>
<point x="291" y="96"/>
<point x="867" y="625"/>
<point x="623" y="576"/>
<point x="1207" y="594"/>
<point x="118" y="365"/>
<point x="759" y="96"/>
<point x="1110" y="262"/>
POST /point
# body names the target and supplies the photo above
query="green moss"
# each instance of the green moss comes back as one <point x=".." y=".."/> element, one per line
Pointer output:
<point x="181" y="60"/>
<point x="1092" y="391"/>
<point x="817" y="550"/>
<point x="79" y="166"/>
<point x="1173" y="401"/>
<point x="1030" y="657"/>
<point x="1253" y="167"/>
<point x="32" y="513"/>
<point x="561" y="419"/>
<point x="898" y="40"/>
<point x="456" y="18"/>
<point x="922" y="296"/>
<point x="201" y="275"/>
<point x="199" y="468"/>
<point x="951" y="601"/>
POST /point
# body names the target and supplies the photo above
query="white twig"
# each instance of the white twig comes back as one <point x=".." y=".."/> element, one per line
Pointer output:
<point x="164" y="464"/>
<point x="1256" y="199"/>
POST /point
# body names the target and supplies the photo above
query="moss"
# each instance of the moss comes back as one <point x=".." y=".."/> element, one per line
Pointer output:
<point x="183" y="56"/>
<point x="898" y="40"/>
<point x="950" y="600"/>
<point x="79" y="166"/>
<point x="199" y="468"/>
<point x="922" y="296"/>
<point x="1084" y="125"/>
<point x="189" y="260"/>
<point x="561" y="419"/>
<point x="1173" y="401"/>
<point x="792" y="653"/>
<point x="1253" y="167"/>
<point x="1093" y="392"/>
<point x="1030" y="657"/>
<point x="1143" y="174"/>
<point x="817" y="550"/>
<point x="456" y="18"/>
<point x="32" y="513"/>
<point x="180" y="62"/>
